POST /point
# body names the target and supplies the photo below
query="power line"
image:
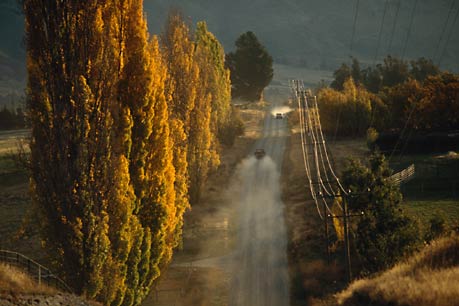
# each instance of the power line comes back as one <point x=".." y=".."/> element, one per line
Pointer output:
<point x="413" y="107"/>
<point x="354" y="26"/>
<point x="409" y="28"/>
<point x="449" y="37"/>
<point x="437" y="47"/>
<point x="393" y="26"/>
<point x="380" y="32"/>
<point x="310" y="127"/>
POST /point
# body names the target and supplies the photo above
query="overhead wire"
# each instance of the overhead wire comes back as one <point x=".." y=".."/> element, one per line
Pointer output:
<point x="413" y="107"/>
<point x="437" y="47"/>
<point x="394" y="26"/>
<point x="314" y="126"/>
<point x="380" y="32"/>
<point x="354" y="26"/>
<point x="312" y="137"/>
<point x="297" y="89"/>
<point x="409" y="29"/>
<point x="449" y="37"/>
<point x="328" y="159"/>
<point x="315" y="138"/>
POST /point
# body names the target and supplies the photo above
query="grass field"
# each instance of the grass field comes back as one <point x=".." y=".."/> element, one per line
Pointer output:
<point x="434" y="190"/>
<point x="423" y="210"/>
<point x="17" y="227"/>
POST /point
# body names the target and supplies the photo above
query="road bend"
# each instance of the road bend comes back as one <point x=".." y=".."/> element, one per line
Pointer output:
<point x="260" y="269"/>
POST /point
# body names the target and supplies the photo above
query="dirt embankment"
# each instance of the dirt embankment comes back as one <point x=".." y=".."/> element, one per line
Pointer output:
<point x="11" y="299"/>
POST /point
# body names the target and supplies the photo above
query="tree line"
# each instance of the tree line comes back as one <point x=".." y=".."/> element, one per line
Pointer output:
<point x="12" y="119"/>
<point x="390" y="96"/>
<point x="125" y="130"/>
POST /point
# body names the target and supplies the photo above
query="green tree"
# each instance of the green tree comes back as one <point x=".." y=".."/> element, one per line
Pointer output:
<point x="356" y="72"/>
<point x="383" y="234"/>
<point x="394" y="71"/>
<point x="251" y="67"/>
<point x="422" y="68"/>
<point x="342" y="74"/>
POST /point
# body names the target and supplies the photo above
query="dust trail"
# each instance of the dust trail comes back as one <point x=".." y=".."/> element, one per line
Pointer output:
<point x="281" y="109"/>
<point x="260" y="263"/>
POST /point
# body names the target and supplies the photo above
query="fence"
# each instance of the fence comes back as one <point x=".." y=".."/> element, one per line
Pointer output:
<point x="42" y="274"/>
<point x="403" y="176"/>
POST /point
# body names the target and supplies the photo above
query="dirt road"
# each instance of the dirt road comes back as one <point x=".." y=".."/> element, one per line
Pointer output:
<point x="260" y="269"/>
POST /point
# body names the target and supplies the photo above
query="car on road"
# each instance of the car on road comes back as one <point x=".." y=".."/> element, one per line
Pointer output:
<point x="260" y="153"/>
<point x="279" y="116"/>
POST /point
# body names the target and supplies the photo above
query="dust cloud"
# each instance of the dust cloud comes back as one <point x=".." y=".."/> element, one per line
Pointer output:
<point x="260" y="274"/>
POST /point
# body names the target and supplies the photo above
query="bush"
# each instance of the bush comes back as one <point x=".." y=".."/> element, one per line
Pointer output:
<point x="384" y="234"/>
<point x="233" y="128"/>
<point x="437" y="227"/>
<point x="372" y="136"/>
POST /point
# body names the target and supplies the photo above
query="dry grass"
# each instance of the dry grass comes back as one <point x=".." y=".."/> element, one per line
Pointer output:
<point x="430" y="277"/>
<point x="14" y="280"/>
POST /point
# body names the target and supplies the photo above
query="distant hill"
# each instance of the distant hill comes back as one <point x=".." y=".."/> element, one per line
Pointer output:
<point x="311" y="33"/>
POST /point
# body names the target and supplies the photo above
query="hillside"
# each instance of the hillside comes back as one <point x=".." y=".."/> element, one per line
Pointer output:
<point x="17" y="288"/>
<point x="428" y="278"/>
<point x="313" y="33"/>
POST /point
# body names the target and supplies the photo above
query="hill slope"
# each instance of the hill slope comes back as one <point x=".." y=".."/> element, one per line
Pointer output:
<point x="429" y="278"/>
<point x="311" y="33"/>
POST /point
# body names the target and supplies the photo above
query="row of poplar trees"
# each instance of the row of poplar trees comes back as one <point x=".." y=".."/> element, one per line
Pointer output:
<point x="124" y="133"/>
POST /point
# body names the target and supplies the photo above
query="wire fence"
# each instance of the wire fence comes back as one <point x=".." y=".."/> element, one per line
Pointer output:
<point x="42" y="274"/>
<point x="404" y="175"/>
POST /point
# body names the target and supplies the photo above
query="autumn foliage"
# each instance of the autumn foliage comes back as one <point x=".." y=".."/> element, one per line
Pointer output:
<point x="392" y="96"/>
<point x="124" y="131"/>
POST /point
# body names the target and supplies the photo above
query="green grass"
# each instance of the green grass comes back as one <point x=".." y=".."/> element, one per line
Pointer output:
<point x="434" y="190"/>
<point x="423" y="210"/>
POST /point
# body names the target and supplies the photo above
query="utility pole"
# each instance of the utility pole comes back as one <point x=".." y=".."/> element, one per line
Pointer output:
<point x="327" y="235"/>
<point x="346" y="215"/>
<point x="347" y="254"/>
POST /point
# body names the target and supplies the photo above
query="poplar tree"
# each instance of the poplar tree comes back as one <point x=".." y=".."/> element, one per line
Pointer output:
<point x="212" y="110"/>
<point x="219" y="83"/>
<point x="101" y="149"/>
<point x="69" y="111"/>
<point x="183" y="73"/>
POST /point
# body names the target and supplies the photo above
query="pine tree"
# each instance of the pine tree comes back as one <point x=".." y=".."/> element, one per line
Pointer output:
<point x="251" y="67"/>
<point x="383" y="234"/>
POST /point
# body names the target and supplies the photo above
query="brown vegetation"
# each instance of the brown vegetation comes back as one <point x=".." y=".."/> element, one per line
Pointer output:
<point x="427" y="278"/>
<point x="12" y="279"/>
